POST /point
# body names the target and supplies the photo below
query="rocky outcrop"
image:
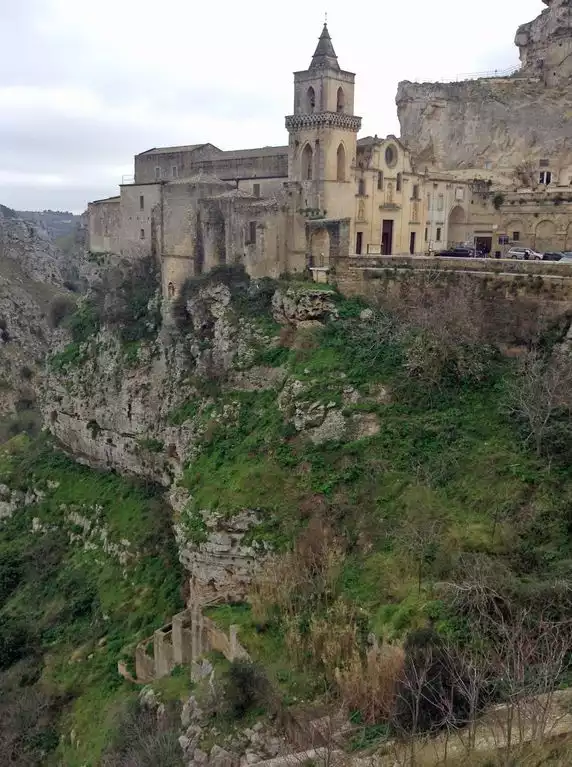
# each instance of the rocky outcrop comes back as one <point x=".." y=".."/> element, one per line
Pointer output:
<point x="499" y="122"/>
<point x="31" y="284"/>
<point x="297" y="306"/>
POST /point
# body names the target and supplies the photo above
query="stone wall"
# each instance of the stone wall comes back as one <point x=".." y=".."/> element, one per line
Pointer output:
<point x="104" y="225"/>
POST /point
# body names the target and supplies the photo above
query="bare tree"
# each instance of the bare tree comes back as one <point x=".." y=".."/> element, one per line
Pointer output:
<point x="542" y="389"/>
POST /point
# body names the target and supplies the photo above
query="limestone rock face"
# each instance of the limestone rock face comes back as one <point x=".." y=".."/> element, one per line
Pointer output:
<point x="31" y="280"/>
<point x="294" y="306"/>
<point x="504" y="121"/>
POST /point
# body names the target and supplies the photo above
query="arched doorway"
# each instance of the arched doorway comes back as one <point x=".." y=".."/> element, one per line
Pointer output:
<point x="341" y="175"/>
<point x="457" y="232"/>
<point x="307" y="163"/>
<point x="545" y="236"/>
<point x="320" y="248"/>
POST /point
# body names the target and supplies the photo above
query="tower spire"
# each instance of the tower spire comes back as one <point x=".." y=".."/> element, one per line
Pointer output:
<point x="325" y="56"/>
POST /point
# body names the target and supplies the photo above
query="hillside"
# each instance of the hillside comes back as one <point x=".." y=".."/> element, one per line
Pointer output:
<point x="365" y="494"/>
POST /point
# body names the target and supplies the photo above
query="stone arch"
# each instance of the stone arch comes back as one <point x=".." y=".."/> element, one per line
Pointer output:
<point x="457" y="231"/>
<point x="341" y="100"/>
<point x="341" y="163"/>
<point x="545" y="235"/>
<point x="171" y="290"/>
<point x="307" y="163"/>
<point x="310" y="100"/>
<point x="320" y="247"/>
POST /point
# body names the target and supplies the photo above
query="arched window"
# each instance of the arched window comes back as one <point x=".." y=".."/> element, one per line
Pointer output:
<point x="307" y="163"/>
<point x="398" y="183"/>
<point x="341" y="100"/>
<point x="341" y="175"/>
<point x="361" y="187"/>
<point x="171" y="290"/>
<point x="310" y="100"/>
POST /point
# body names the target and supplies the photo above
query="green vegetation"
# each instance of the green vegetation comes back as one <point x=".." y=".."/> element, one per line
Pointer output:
<point x="99" y="574"/>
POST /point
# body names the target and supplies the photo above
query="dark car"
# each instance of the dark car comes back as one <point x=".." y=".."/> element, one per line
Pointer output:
<point x="460" y="253"/>
<point x="552" y="255"/>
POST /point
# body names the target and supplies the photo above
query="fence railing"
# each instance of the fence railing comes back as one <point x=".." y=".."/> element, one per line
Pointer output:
<point x="473" y="75"/>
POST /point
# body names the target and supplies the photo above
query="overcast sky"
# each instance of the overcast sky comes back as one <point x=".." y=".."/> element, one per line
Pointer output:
<point x="86" y="85"/>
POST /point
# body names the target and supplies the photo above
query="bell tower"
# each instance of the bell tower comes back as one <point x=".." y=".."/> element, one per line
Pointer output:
<point x="323" y="133"/>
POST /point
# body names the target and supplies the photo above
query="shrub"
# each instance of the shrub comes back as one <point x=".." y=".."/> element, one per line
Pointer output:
<point x="15" y="641"/>
<point x="246" y="687"/>
<point x="60" y="309"/>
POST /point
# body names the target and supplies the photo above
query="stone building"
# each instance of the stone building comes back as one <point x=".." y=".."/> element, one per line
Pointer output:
<point x="280" y="209"/>
<point x="509" y="137"/>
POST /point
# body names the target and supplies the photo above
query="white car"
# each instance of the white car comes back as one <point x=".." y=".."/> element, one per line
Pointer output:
<point x="524" y="254"/>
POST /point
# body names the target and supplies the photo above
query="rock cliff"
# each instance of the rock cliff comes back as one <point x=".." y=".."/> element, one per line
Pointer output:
<point x="33" y="275"/>
<point x="499" y="123"/>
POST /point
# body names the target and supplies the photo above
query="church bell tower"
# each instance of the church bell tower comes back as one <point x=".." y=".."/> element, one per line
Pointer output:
<point x="323" y="133"/>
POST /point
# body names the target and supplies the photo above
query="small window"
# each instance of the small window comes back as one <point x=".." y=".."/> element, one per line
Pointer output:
<point x="544" y="163"/>
<point x="251" y="239"/>
<point x="310" y="99"/>
<point x="398" y="183"/>
<point x="361" y="187"/>
<point x="415" y="191"/>
<point x="174" y="171"/>
<point x="438" y="237"/>
<point x="359" y="243"/>
<point x="488" y="165"/>
<point x="429" y="201"/>
<point x="516" y="236"/>
<point x="256" y="190"/>
<point x="380" y="180"/>
<point x="341" y="101"/>
<point x="157" y="174"/>
<point x="426" y="234"/>
<point x="141" y="202"/>
<point x="441" y="202"/>
<point x="142" y="234"/>
<point x="545" y="177"/>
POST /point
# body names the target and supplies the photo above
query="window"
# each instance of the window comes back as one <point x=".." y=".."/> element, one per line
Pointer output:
<point x="544" y="163"/>
<point x="157" y="174"/>
<point x="429" y="201"/>
<point x="488" y="165"/>
<point x="516" y="236"/>
<point x="459" y="193"/>
<point x="398" y="183"/>
<point x="545" y="177"/>
<point x="251" y="234"/>
<point x="256" y="190"/>
<point x="438" y="237"/>
<point x="359" y="243"/>
<point x="142" y="234"/>
<point x="174" y="171"/>
<point x="380" y="180"/>
<point x="391" y="156"/>
<point x="361" y="187"/>
<point x="307" y="163"/>
<point x="426" y="234"/>
<point x="341" y="102"/>
<point x="141" y="202"/>
<point x="310" y="99"/>
<point x="341" y="160"/>
<point x="415" y="191"/>
<point x="441" y="202"/>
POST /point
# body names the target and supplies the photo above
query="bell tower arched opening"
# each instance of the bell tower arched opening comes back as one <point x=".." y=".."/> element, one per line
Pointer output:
<point x="310" y="100"/>
<point x="341" y="100"/>
<point x="307" y="163"/>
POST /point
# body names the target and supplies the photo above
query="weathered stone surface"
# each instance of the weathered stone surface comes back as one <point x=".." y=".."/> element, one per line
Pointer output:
<point x="222" y="566"/>
<point x="294" y="306"/>
<point x="219" y="757"/>
<point x="506" y="121"/>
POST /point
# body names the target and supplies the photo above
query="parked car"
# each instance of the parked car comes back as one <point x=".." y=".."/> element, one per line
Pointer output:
<point x="524" y="254"/>
<point x="552" y="255"/>
<point x="566" y="258"/>
<point x="459" y="253"/>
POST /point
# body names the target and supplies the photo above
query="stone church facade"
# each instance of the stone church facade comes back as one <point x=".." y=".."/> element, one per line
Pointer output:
<point x="324" y="195"/>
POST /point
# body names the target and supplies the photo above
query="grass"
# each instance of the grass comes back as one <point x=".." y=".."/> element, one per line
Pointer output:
<point x="85" y="606"/>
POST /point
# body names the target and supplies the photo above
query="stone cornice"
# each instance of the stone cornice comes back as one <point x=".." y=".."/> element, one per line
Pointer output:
<point x="323" y="120"/>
